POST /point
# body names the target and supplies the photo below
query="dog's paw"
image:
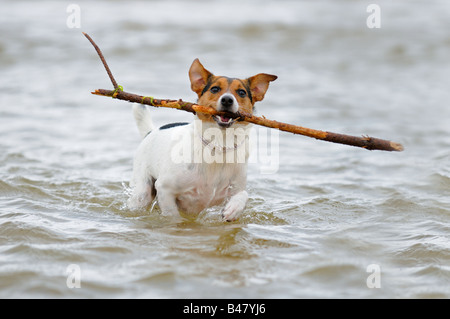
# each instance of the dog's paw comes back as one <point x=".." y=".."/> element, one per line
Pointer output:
<point x="235" y="206"/>
<point x="232" y="211"/>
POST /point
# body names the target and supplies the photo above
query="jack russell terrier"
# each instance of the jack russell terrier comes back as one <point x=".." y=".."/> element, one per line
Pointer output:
<point x="189" y="167"/>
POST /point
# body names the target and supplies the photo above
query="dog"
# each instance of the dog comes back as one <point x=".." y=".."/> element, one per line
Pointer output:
<point x="169" y="165"/>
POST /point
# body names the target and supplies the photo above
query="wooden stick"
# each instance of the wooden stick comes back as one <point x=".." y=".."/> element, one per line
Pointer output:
<point x="367" y="142"/>
<point x="100" y="54"/>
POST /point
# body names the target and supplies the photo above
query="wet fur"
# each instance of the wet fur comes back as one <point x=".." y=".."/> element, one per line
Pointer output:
<point x="189" y="188"/>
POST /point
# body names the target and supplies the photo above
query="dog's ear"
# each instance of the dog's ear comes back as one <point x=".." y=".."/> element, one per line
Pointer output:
<point x="259" y="84"/>
<point x="199" y="77"/>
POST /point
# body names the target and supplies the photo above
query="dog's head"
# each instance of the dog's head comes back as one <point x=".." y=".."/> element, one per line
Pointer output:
<point x="227" y="94"/>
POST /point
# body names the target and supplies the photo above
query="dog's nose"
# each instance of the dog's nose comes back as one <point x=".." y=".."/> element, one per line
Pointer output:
<point x="226" y="101"/>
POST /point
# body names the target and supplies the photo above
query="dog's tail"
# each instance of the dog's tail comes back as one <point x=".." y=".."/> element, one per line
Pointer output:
<point x="143" y="119"/>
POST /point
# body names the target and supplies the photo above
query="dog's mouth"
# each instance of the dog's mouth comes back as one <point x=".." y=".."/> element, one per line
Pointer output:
<point x="223" y="121"/>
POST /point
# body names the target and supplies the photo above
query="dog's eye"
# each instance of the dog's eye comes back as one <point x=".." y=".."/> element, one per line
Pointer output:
<point x="215" y="89"/>
<point x="241" y="93"/>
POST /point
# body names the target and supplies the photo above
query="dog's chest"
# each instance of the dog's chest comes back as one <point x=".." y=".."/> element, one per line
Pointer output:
<point x="204" y="187"/>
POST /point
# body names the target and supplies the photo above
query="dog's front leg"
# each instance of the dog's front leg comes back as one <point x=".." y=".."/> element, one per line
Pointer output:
<point x="235" y="206"/>
<point x="166" y="199"/>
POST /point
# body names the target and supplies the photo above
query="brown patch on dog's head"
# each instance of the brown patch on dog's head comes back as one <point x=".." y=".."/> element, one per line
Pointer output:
<point x="227" y="94"/>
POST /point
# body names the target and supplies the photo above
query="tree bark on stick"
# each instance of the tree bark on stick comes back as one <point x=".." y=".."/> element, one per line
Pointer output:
<point x="367" y="142"/>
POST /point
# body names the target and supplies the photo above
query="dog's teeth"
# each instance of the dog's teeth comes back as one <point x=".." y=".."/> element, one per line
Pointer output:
<point x="223" y="119"/>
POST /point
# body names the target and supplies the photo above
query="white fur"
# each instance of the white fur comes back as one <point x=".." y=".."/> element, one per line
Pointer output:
<point x="188" y="186"/>
<point x="143" y="120"/>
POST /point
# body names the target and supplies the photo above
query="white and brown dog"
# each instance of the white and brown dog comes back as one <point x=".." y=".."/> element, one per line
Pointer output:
<point x="168" y="166"/>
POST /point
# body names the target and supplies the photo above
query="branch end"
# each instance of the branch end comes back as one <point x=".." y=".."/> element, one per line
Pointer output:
<point x="397" y="147"/>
